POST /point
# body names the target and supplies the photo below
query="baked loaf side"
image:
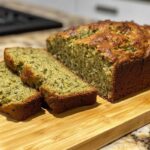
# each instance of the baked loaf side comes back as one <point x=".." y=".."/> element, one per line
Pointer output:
<point x="146" y="64"/>
<point x="109" y="58"/>
<point x="61" y="88"/>
<point x="16" y="99"/>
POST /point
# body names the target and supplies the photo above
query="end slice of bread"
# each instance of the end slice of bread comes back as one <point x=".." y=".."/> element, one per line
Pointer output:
<point x="22" y="110"/>
<point x="16" y="99"/>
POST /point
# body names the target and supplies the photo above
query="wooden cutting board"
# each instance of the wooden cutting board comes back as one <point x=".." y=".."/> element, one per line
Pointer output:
<point x="85" y="128"/>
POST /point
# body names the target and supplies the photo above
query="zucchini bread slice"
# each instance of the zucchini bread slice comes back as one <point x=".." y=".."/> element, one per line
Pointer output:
<point x="16" y="99"/>
<point x="61" y="88"/>
<point x="112" y="56"/>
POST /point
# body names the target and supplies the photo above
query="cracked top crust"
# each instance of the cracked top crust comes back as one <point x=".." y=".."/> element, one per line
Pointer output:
<point x="115" y="41"/>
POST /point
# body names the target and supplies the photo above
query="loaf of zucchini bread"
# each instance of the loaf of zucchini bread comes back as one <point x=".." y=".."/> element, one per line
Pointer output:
<point x="61" y="88"/>
<point x="16" y="99"/>
<point x="112" y="56"/>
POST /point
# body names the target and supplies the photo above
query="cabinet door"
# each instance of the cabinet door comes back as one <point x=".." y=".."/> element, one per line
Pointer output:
<point x="115" y="10"/>
<point x="97" y="9"/>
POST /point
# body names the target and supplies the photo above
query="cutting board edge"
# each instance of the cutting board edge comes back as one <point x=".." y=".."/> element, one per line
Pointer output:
<point x="96" y="142"/>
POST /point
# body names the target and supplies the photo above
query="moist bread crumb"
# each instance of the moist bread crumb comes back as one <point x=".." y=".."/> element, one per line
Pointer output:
<point x="62" y="89"/>
<point x="16" y="99"/>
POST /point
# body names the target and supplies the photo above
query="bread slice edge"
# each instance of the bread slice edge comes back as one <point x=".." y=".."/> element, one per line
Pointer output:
<point x="21" y="110"/>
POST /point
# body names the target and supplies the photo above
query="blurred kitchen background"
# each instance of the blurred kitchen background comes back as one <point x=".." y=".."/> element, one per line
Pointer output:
<point x="136" y="10"/>
<point x="37" y="15"/>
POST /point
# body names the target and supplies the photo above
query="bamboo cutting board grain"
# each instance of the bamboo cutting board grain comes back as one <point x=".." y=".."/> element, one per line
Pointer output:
<point x="83" y="128"/>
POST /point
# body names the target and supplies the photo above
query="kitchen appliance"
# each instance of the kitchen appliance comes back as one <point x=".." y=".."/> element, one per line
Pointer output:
<point x="13" y="21"/>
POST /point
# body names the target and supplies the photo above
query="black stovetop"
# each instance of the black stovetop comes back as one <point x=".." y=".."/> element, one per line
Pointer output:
<point x="12" y="22"/>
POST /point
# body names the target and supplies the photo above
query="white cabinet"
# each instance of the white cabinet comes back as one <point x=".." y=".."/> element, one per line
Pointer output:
<point x="101" y="9"/>
<point x="115" y="10"/>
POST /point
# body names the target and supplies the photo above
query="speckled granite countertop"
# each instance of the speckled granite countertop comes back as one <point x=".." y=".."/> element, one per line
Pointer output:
<point x="137" y="140"/>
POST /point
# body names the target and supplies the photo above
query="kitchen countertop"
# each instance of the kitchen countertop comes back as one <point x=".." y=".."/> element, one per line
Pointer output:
<point x="137" y="140"/>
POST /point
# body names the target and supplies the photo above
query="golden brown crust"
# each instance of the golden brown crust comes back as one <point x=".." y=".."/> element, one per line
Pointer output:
<point x="29" y="77"/>
<point x="125" y="81"/>
<point x="22" y="110"/>
<point x="133" y="75"/>
<point x="9" y="61"/>
<point x="59" y="104"/>
<point x="115" y="41"/>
